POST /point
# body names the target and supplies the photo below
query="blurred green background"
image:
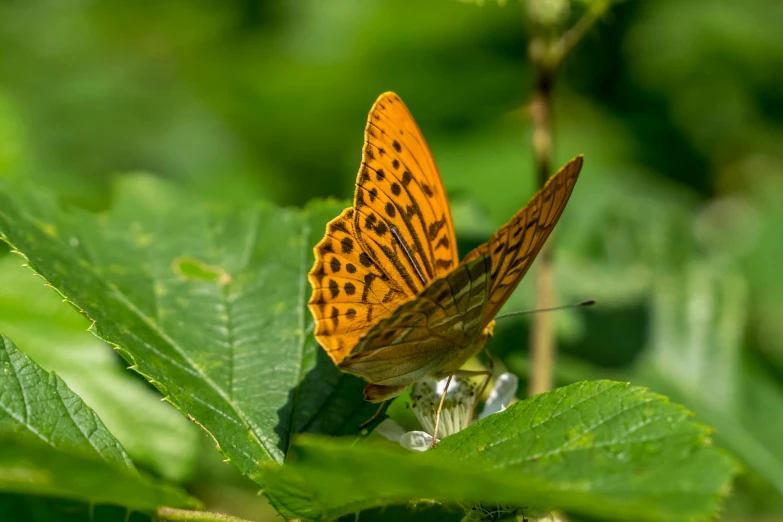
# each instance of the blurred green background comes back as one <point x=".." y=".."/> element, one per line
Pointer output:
<point x="676" y="225"/>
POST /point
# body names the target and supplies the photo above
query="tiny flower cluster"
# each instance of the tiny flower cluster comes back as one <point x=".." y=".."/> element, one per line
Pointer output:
<point x="460" y="399"/>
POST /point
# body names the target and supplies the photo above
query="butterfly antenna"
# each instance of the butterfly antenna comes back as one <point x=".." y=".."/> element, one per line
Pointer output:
<point x="589" y="302"/>
<point x="375" y="416"/>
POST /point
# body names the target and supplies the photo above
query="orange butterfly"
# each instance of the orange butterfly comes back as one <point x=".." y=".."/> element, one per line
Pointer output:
<point x="391" y="301"/>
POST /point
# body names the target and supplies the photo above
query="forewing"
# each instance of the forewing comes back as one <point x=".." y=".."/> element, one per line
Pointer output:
<point x="402" y="215"/>
<point x="350" y="291"/>
<point x="396" y="238"/>
<point x="515" y="245"/>
<point x="428" y="334"/>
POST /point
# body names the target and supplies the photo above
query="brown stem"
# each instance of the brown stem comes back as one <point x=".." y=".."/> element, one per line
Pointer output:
<point x="542" y="338"/>
<point x="547" y="55"/>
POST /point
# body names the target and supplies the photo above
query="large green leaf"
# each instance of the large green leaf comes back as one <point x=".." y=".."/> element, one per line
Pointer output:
<point x="29" y="508"/>
<point x="206" y="302"/>
<point x="599" y="448"/>
<point x="153" y="433"/>
<point x="52" y="444"/>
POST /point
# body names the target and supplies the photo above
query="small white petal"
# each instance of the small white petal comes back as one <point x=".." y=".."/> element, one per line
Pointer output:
<point x="416" y="440"/>
<point x="390" y="430"/>
<point x="440" y="386"/>
<point x="502" y="394"/>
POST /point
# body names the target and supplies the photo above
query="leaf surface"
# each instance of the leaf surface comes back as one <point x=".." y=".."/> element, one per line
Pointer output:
<point x="207" y="302"/>
<point x="52" y="444"/>
<point x="597" y="448"/>
<point x="153" y="433"/>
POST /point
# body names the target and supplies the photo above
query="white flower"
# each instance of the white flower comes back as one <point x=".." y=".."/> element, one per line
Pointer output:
<point x="457" y="406"/>
<point x="501" y="395"/>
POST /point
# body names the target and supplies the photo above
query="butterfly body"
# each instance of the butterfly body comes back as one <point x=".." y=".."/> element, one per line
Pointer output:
<point x="434" y="334"/>
<point x="391" y="301"/>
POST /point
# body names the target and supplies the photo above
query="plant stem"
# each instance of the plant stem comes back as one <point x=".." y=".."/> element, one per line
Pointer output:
<point x="542" y="335"/>
<point x="547" y="55"/>
<point x="186" y="515"/>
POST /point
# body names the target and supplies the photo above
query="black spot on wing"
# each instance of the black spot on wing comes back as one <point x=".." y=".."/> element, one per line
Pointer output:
<point x="443" y="243"/>
<point x="346" y="245"/>
<point x="434" y="228"/>
<point x="444" y="263"/>
<point x="334" y="264"/>
<point x="368" y="279"/>
<point x="337" y="225"/>
<point x="326" y="248"/>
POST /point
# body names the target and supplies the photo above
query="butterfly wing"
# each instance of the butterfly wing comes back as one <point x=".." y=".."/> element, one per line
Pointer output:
<point x="397" y="242"/>
<point x="350" y="291"/>
<point x="436" y="332"/>
<point x="402" y="215"/>
<point x="515" y="245"/>
<point x="432" y="333"/>
<point x="396" y="238"/>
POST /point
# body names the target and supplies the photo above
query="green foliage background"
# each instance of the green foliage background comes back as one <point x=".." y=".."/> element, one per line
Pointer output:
<point x="676" y="226"/>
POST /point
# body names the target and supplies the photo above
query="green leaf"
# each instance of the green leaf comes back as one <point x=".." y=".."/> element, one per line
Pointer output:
<point x="597" y="448"/>
<point x="208" y="303"/>
<point x="11" y="143"/>
<point x="29" y="508"/>
<point x="422" y="512"/>
<point x="52" y="444"/>
<point x="153" y="433"/>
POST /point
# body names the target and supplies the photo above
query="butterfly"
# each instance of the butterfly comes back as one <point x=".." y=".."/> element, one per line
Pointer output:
<point x="392" y="303"/>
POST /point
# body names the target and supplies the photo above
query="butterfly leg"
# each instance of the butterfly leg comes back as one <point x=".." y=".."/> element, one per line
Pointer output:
<point x="379" y="393"/>
<point x="440" y="407"/>
<point x="374" y="416"/>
